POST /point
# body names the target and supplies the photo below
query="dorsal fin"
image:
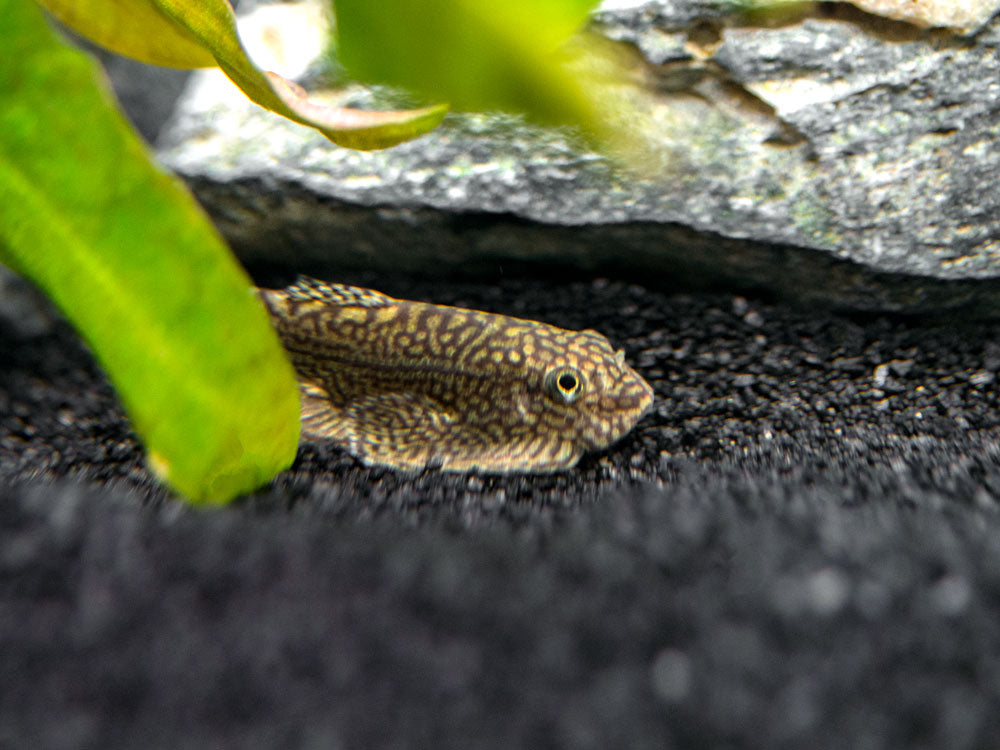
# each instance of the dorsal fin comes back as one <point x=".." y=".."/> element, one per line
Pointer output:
<point x="307" y="288"/>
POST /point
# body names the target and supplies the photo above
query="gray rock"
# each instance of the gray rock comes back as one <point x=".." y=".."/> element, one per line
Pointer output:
<point x="839" y="158"/>
<point x="147" y="93"/>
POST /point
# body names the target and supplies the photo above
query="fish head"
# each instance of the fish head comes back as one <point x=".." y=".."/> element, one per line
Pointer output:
<point x="589" y="394"/>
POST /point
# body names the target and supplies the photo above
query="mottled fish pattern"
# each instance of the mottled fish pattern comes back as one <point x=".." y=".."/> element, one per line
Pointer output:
<point x="409" y="384"/>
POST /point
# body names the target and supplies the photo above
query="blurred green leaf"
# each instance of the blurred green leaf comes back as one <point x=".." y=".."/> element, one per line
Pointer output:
<point x="134" y="28"/>
<point x="171" y="32"/>
<point x="133" y="263"/>
<point x="505" y="54"/>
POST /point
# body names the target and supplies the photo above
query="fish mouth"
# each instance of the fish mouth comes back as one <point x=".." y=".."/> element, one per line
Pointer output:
<point x="638" y="406"/>
<point x="641" y="403"/>
<point x="647" y="399"/>
<point x="630" y="408"/>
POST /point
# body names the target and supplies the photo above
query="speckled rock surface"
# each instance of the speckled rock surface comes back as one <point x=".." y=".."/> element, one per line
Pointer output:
<point x="838" y="156"/>
<point x="967" y="16"/>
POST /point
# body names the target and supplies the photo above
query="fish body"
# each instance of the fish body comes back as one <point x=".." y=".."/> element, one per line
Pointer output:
<point x="410" y="384"/>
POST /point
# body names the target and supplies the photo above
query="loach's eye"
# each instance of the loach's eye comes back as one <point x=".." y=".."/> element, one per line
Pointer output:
<point x="564" y="384"/>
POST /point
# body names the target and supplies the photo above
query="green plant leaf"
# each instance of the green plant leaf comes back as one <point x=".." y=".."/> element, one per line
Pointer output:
<point x="136" y="27"/>
<point x="505" y="54"/>
<point x="134" y="264"/>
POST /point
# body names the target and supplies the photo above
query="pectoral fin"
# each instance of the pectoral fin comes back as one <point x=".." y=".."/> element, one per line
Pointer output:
<point x="401" y="430"/>
<point x="410" y="431"/>
<point x="404" y="430"/>
<point x="322" y="419"/>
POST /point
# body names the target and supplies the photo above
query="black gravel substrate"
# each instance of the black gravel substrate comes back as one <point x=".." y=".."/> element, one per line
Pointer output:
<point x="799" y="548"/>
